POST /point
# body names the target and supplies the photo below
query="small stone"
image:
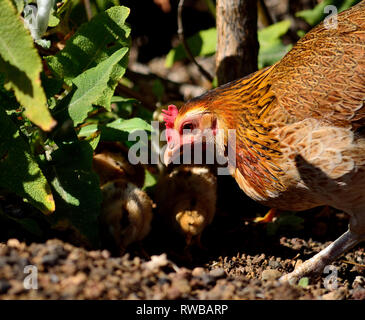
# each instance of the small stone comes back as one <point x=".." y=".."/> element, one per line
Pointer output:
<point x="50" y="259"/>
<point x="334" y="295"/>
<point x="54" y="278"/>
<point x="207" y="279"/>
<point x="198" y="272"/>
<point x="270" y="275"/>
<point x="14" y="243"/>
<point x="217" y="273"/>
<point x="4" y="286"/>
<point x="359" y="282"/>
<point x="274" y="264"/>
<point x="105" y="254"/>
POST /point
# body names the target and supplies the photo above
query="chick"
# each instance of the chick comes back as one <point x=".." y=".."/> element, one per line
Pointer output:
<point x="110" y="162"/>
<point x="126" y="213"/>
<point x="186" y="199"/>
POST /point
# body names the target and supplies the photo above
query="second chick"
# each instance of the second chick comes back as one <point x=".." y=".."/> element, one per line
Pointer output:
<point x="186" y="199"/>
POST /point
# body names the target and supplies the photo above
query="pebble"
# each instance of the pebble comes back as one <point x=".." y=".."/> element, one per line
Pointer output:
<point x="50" y="259"/>
<point x="270" y="274"/>
<point x="274" y="264"/>
<point x="4" y="286"/>
<point x="217" y="273"/>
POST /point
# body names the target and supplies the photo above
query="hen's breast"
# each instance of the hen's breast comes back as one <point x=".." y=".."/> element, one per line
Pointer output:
<point x="322" y="165"/>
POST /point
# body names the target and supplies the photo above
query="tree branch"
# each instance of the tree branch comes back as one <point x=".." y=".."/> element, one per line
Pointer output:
<point x="237" y="46"/>
<point x="181" y="34"/>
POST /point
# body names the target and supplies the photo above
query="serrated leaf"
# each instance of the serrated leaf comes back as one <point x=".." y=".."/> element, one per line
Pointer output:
<point x="203" y="43"/>
<point x="130" y="125"/>
<point x="91" y="85"/>
<point x="21" y="64"/>
<point x="19" y="172"/>
<point x="91" y="44"/>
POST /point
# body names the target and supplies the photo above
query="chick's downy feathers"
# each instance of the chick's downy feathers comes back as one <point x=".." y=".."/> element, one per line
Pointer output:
<point x="186" y="199"/>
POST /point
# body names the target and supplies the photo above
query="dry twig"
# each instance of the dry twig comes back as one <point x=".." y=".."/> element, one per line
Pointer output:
<point x="182" y="38"/>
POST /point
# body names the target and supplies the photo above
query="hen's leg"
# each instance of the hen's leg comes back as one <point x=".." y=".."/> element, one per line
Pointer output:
<point x="316" y="264"/>
<point x="268" y="217"/>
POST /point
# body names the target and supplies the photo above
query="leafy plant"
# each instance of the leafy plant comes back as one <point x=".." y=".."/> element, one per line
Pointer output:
<point x="204" y="43"/>
<point x="272" y="48"/>
<point x="317" y="14"/>
<point x="55" y="107"/>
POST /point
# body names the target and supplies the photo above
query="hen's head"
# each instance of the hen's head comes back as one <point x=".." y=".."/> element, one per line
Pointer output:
<point x="191" y="125"/>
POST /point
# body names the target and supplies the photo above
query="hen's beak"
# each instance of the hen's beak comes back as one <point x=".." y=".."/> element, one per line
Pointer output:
<point x="171" y="153"/>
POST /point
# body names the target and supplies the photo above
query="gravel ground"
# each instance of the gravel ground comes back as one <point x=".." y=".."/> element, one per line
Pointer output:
<point x="242" y="262"/>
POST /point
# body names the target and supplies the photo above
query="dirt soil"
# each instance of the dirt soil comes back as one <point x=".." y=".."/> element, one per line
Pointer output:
<point x="241" y="260"/>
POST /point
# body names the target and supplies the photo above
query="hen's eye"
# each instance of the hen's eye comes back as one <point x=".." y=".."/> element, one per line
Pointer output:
<point x="188" y="126"/>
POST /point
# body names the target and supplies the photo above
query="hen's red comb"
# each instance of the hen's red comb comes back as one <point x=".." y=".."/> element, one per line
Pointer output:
<point x="170" y="115"/>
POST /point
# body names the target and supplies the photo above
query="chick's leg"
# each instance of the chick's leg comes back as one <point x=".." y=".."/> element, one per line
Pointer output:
<point x="317" y="263"/>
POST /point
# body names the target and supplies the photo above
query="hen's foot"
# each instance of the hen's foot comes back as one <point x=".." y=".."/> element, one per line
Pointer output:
<point x="315" y="266"/>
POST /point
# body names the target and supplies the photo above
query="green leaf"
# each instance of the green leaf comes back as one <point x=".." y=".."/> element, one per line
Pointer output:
<point x="158" y="89"/>
<point x="123" y="107"/>
<point x="303" y="282"/>
<point x="317" y="14"/>
<point x="203" y="43"/>
<point x="53" y="20"/>
<point x="270" y="55"/>
<point x="19" y="5"/>
<point x="285" y="222"/>
<point x="271" y="47"/>
<point x="149" y="181"/>
<point x="21" y="64"/>
<point x="76" y="191"/>
<point x="130" y="125"/>
<point x="88" y="130"/>
<point x="91" y="85"/>
<point x="91" y="44"/>
<point x="272" y="34"/>
<point x="20" y="173"/>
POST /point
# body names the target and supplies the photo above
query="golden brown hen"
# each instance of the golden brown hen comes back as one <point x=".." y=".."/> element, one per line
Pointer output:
<point x="300" y="129"/>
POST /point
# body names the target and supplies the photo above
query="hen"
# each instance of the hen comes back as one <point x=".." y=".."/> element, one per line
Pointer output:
<point x="299" y="126"/>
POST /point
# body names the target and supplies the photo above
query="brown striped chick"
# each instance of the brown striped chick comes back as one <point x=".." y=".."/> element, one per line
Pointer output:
<point x="186" y="199"/>
<point x="126" y="213"/>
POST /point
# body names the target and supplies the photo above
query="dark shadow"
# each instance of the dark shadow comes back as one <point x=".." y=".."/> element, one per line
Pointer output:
<point x="17" y="77"/>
